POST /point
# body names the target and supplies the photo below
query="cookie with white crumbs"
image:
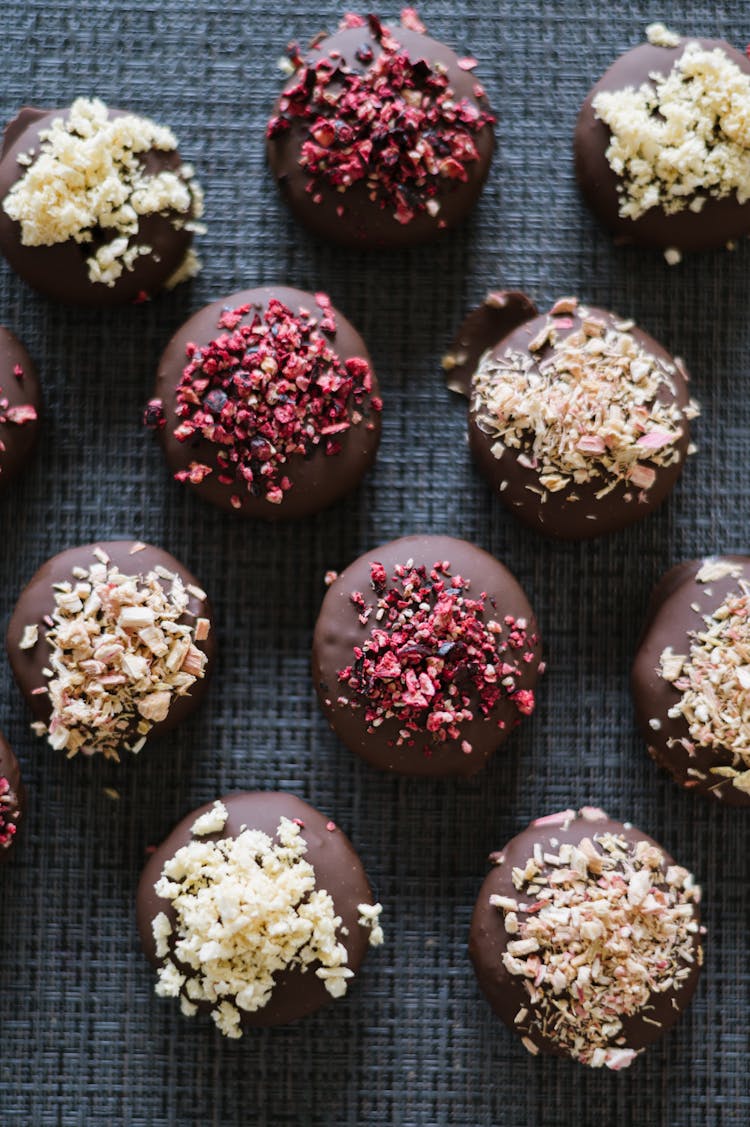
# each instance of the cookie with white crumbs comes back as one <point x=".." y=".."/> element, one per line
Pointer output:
<point x="691" y="677"/>
<point x="662" y="144"/>
<point x="257" y="910"/>
<point x="96" y="205"/>
<point x="580" y="421"/>
<point x="586" y="938"/>
<point x="110" y="644"/>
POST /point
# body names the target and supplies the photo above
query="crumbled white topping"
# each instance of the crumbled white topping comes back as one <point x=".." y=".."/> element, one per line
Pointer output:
<point x="212" y="822"/>
<point x="594" y="407"/>
<point x="29" y="637"/>
<point x="682" y="135"/>
<point x="245" y="909"/>
<point x="714" y="678"/>
<point x="89" y="176"/>
<point x="120" y="654"/>
<point x="603" y="927"/>
<point x="369" y="917"/>
<point x="712" y="569"/>
<point x="660" y="36"/>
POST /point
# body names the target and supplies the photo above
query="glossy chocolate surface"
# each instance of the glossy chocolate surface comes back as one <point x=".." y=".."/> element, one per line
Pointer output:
<point x="718" y="222"/>
<point x="17" y="441"/>
<point x="364" y="224"/>
<point x="318" y="480"/>
<point x="559" y="516"/>
<point x="676" y="608"/>
<point x="338" y="631"/>
<point x="338" y="869"/>
<point x="488" y="938"/>
<point x="60" y="271"/>
<point x="37" y="601"/>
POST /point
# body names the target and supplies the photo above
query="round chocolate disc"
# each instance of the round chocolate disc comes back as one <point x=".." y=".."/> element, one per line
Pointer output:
<point x="556" y="928"/>
<point x="267" y="404"/>
<point x="425" y="656"/>
<point x="296" y="991"/>
<point x="138" y="667"/>
<point x="716" y="222"/>
<point x="20" y="401"/>
<point x="12" y="799"/>
<point x="579" y="421"/>
<point x="399" y="155"/>
<point x="58" y="264"/>
<point x="692" y="700"/>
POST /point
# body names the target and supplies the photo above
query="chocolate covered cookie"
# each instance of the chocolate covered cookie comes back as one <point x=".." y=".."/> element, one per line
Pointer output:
<point x="425" y="656"/>
<point x="586" y="938"/>
<point x="662" y="144"/>
<point x="12" y="799"/>
<point x="267" y="405"/>
<point x="579" y="420"/>
<point x="383" y="137"/>
<point x="96" y="204"/>
<point x="691" y="677"/>
<point x="257" y="910"/>
<point x="110" y="644"/>
<point x="20" y="400"/>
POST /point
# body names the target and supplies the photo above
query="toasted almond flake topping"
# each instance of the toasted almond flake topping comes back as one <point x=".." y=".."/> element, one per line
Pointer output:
<point x="680" y="136"/>
<point x="245" y="909"/>
<point x="120" y="654"/>
<point x="609" y="926"/>
<point x="89" y="177"/>
<point x="714" y="679"/>
<point x="712" y="569"/>
<point x="29" y="637"/>
<point x="598" y="406"/>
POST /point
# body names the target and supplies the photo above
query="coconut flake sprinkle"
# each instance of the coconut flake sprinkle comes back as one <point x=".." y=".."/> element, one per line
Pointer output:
<point x="597" y="930"/>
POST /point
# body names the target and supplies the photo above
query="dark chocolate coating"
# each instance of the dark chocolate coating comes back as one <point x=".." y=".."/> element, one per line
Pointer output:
<point x="588" y="517"/>
<point x="16" y="797"/>
<point x="338" y="869"/>
<point x="364" y="224"/>
<point x="338" y="630"/>
<point x="36" y="601"/>
<point x="17" y="443"/>
<point x="60" y="271"/>
<point x="500" y="313"/>
<point x="318" y="480"/>
<point x="670" y="618"/>
<point x="488" y="938"/>
<point x="719" y="221"/>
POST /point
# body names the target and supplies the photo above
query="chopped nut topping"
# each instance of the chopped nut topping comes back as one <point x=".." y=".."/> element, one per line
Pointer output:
<point x="714" y="679"/>
<point x="120" y="653"/>
<point x="604" y="926"/>
<point x="593" y="407"/>
<point x="245" y="909"/>
<point x="682" y="136"/>
<point x="89" y="177"/>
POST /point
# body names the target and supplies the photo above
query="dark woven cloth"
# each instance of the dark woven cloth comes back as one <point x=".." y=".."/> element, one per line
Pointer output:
<point x="83" y="1039"/>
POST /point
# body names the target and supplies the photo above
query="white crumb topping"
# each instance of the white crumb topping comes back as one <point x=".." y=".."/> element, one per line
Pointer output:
<point x="598" y="929"/>
<point x="89" y="176"/>
<point x="712" y="569"/>
<point x="29" y="637"/>
<point x="212" y="822"/>
<point x="660" y="36"/>
<point x="246" y="909"/>
<point x="598" y="406"/>
<point x="120" y="652"/>
<point x="369" y="916"/>
<point x="714" y="680"/>
<point x="681" y="137"/>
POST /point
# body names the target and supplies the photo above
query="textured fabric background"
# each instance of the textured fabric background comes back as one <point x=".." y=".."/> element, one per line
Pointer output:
<point x="83" y="1039"/>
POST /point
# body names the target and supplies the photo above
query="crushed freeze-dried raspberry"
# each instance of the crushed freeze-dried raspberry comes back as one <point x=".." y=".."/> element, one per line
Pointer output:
<point x="267" y="388"/>
<point x="397" y="125"/>
<point x="8" y="813"/>
<point x="435" y="658"/>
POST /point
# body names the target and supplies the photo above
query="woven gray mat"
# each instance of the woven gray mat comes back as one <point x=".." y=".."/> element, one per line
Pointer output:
<point x="83" y="1039"/>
